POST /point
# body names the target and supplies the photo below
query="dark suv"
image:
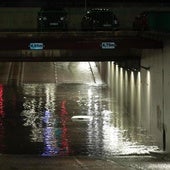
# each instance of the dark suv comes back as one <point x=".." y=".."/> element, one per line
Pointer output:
<point x="99" y="19"/>
<point x="52" y="19"/>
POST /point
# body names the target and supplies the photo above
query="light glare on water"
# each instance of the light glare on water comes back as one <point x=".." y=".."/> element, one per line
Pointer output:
<point x="62" y="135"/>
<point x="71" y="119"/>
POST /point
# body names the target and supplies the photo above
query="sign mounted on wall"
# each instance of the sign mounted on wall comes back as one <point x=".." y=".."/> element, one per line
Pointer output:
<point x="108" y="45"/>
<point x="36" y="46"/>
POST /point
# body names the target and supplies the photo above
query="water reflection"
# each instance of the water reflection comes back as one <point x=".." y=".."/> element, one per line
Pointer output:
<point x="125" y="92"/>
<point x="44" y="123"/>
<point x="50" y="147"/>
<point x="1" y="101"/>
<point x="1" y="118"/>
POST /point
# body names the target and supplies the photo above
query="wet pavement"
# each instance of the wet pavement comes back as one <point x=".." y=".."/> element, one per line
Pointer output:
<point x="8" y="162"/>
<point x="129" y="162"/>
<point x="147" y="162"/>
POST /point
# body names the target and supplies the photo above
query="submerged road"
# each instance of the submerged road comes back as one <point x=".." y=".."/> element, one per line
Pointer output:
<point x="37" y="129"/>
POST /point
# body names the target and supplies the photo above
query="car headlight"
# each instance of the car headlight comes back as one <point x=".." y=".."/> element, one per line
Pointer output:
<point x="95" y="21"/>
<point x="44" y="18"/>
<point x="61" y="18"/>
<point x="115" y="22"/>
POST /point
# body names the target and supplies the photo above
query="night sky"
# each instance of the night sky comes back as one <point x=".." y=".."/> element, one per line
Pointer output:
<point x="71" y="3"/>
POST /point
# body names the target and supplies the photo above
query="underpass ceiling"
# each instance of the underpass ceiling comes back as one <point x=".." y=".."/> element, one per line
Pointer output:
<point x="70" y="55"/>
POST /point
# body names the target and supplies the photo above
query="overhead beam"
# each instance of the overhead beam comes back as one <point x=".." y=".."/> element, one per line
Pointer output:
<point x="73" y="41"/>
<point x="73" y="46"/>
<point x="69" y="55"/>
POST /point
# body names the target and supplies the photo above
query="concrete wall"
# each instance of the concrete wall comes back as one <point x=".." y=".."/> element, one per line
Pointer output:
<point x="145" y="95"/>
<point x="158" y="109"/>
<point x="152" y="94"/>
<point x="18" y="18"/>
<point x="166" y="92"/>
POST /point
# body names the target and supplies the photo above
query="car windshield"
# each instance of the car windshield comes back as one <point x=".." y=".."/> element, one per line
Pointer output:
<point x="102" y="14"/>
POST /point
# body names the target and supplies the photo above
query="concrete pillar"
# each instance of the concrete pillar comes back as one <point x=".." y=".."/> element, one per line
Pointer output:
<point x="166" y="93"/>
<point x="153" y="95"/>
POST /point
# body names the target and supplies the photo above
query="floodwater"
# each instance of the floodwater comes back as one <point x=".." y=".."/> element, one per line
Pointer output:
<point x="70" y="115"/>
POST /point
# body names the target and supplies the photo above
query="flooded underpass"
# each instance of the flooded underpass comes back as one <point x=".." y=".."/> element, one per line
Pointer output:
<point x="72" y="114"/>
<point x="66" y="109"/>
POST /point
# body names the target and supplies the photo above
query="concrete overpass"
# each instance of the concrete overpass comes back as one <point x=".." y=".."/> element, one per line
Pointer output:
<point x="74" y="46"/>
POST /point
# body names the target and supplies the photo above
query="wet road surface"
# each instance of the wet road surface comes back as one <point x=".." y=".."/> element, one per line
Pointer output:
<point x="63" y="163"/>
<point x="61" y="112"/>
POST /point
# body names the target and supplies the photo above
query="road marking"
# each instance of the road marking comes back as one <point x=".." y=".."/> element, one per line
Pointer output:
<point x="81" y="164"/>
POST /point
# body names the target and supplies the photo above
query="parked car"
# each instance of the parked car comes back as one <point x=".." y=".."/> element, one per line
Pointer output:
<point x="99" y="19"/>
<point x="140" y="22"/>
<point x="152" y="21"/>
<point x="52" y="19"/>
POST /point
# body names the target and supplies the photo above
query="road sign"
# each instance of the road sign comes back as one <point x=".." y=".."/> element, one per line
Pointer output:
<point x="36" y="46"/>
<point x="108" y="45"/>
